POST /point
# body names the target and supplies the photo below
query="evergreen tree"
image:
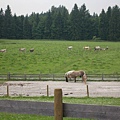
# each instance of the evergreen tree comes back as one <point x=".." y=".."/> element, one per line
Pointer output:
<point x="57" y="27"/>
<point x="8" y="23"/>
<point x="17" y="27"/>
<point x="21" y="20"/>
<point x="40" y="29"/>
<point x="85" y="23"/>
<point x="108" y="21"/>
<point x="48" y="24"/>
<point x="94" y="26"/>
<point x="27" y="30"/>
<point x="57" y="23"/>
<point x="65" y="17"/>
<point x="115" y="24"/>
<point x="103" y="26"/>
<point x="1" y="23"/>
<point x="35" y="21"/>
<point x="75" y="23"/>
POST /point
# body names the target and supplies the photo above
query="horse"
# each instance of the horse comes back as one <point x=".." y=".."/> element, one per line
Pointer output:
<point x="74" y="74"/>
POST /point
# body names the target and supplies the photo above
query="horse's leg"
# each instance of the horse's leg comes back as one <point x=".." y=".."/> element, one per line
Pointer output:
<point x="66" y="79"/>
<point x="75" y="79"/>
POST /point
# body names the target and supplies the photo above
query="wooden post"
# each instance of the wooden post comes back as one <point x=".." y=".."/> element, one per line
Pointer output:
<point x="47" y="91"/>
<point x="40" y="76"/>
<point x="8" y="90"/>
<point x="102" y="76"/>
<point x="87" y="91"/>
<point x="53" y="76"/>
<point x="24" y="76"/>
<point x="8" y="76"/>
<point x="58" y="106"/>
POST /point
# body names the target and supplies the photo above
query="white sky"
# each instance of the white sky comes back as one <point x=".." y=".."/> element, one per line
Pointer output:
<point x="23" y="7"/>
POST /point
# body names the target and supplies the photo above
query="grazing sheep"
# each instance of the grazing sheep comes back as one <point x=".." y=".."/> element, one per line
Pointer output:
<point x="32" y="50"/>
<point x="86" y="48"/>
<point x="70" y="47"/>
<point x="22" y="49"/>
<point x="3" y="50"/>
<point x="97" y="48"/>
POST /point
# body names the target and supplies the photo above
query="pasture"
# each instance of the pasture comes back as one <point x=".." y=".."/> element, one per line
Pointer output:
<point x="9" y="116"/>
<point x="54" y="57"/>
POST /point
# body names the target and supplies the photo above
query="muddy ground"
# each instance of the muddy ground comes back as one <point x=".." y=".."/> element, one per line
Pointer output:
<point x="70" y="89"/>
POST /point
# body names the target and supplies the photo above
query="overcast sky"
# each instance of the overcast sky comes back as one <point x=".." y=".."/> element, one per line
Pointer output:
<point x="23" y="7"/>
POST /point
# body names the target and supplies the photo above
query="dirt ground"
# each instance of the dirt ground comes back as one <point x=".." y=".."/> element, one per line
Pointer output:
<point x="70" y="89"/>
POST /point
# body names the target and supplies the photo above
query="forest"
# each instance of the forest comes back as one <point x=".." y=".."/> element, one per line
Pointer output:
<point x="58" y="23"/>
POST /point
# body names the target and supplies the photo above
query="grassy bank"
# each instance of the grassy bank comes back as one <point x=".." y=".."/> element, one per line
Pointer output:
<point x="9" y="116"/>
<point x="53" y="57"/>
<point x="82" y="100"/>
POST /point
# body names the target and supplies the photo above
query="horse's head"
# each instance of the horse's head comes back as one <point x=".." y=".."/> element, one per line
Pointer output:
<point x="81" y="73"/>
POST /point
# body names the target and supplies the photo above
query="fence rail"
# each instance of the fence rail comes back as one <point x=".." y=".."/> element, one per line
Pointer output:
<point x="60" y="76"/>
<point x="98" y="112"/>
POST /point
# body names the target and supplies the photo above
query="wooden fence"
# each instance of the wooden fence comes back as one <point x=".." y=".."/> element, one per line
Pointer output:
<point x="58" y="109"/>
<point x="91" y="77"/>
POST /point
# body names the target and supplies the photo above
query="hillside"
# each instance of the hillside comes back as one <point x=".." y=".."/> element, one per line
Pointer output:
<point x="54" y="57"/>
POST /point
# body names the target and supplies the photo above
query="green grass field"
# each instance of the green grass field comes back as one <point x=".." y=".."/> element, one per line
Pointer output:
<point x="72" y="100"/>
<point x="53" y="57"/>
<point x="9" y="116"/>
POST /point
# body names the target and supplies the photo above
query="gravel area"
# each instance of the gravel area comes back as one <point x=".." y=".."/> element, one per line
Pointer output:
<point x="69" y="89"/>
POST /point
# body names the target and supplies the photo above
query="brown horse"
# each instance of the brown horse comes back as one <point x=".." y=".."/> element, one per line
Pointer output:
<point x="74" y="74"/>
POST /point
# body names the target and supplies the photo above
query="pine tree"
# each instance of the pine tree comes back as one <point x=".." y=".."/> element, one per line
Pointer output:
<point x="1" y="23"/>
<point x="85" y="23"/>
<point x="103" y="26"/>
<point x="8" y="23"/>
<point x="108" y="22"/>
<point x="48" y="24"/>
<point x="65" y="17"/>
<point x="115" y="24"/>
<point x="35" y="21"/>
<point x="27" y="30"/>
<point x="94" y="26"/>
<point x="75" y="23"/>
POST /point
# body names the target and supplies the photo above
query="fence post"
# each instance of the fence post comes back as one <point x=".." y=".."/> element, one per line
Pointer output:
<point x="25" y="76"/>
<point x="40" y="76"/>
<point x="53" y="76"/>
<point x="58" y="106"/>
<point x="102" y="76"/>
<point x="8" y="76"/>
<point x="47" y="91"/>
<point x="7" y="90"/>
<point x="87" y="91"/>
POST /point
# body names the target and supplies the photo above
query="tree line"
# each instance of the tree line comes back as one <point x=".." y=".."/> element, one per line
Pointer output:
<point x="58" y="23"/>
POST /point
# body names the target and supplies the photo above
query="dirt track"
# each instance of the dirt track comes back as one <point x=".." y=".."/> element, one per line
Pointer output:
<point x="70" y="89"/>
